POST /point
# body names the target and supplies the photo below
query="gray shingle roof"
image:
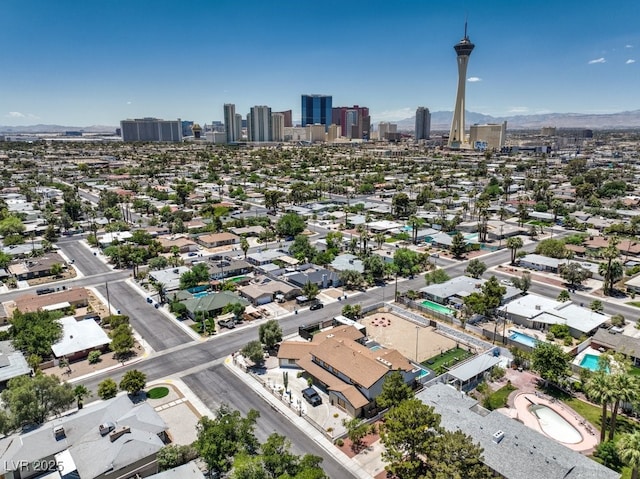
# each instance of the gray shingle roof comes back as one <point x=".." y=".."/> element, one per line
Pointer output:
<point x="523" y="453"/>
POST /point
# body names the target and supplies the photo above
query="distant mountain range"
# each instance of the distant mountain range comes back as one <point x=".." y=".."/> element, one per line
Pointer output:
<point x="33" y="129"/>
<point x="441" y="120"/>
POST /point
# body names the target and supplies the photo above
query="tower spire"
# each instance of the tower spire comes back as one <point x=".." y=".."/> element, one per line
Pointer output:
<point x="465" y="29"/>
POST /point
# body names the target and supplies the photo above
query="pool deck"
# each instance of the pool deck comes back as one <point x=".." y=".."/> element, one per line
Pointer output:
<point x="520" y="411"/>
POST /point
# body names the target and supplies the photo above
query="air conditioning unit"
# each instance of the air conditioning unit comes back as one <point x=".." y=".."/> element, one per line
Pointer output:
<point x="498" y="436"/>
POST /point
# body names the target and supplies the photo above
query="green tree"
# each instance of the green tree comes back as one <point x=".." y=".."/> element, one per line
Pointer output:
<point x="290" y="225"/>
<point x="437" y="276"/>
<point x="402" y="206"/>
<point x="56" y="270"/>
<point x="407" y="261"/>
<point x="32" y="400"/>
<point x="301" y="248"/>
<point x="122" y="340"/>
<point x="553" y="248"/>
<point x="174" y="455"/>
<point x="11" y="225"/>
<point x="352" y="311"/>
<point x="107" y="389"/>
<point x="514" y="244"/>
<point x="394" y="391"/>
<point x="408" y="436"/>
<point x="272" y="198"/>
<point x="133" y="382"/>
<point x="599" y="390"/>
<point x="310" y="290"/>
<point x="475" y="268"/>
<point x="597" y="306"/>
<point x="244" y="246"/>
<point x="253" y="351"/>
<point x="357" y="430"/>
<point x="523" y="283"/>
<point x="455" y="455"/>
<point x="551" y="362"/>
<point x="629" y="451"/>
<point x="374" y="266"/>
<point x="351" y="279"/>
<point x="80" y="392"/>
<point x="625" y="391"/>
<point x="574" y="274"/>
<point x="270" y="334"/>
<point x="458" y="245"/>
<point x="564" y="296"/>
<point x="35" y="332"/>
<point x="219" y="440"/>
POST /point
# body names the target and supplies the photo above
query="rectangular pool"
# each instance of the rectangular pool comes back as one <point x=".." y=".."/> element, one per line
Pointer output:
<point x="438" y="308"/>
<point x="523" y="339"/>
<point x="590" y="362"/>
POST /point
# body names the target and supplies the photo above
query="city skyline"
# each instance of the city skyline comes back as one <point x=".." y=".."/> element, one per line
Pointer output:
<point x="102" y="62"/>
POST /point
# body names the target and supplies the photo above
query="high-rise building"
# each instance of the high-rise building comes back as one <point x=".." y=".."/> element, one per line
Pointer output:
<point x="151" y="129"/>
<point x="288" y="118"/>
<point x="354" y="121"/>
<point x="385" y="128"/>
<point x="230" y="122"/>
<point x="490" y="136"/>
<point x="463" y="50"/>
<point x="259" y="123"/>
<point x="187" y="128"/>
<point x="316" y="110"/>
<point x="277" y="126"/>
<point x="237" y="125"/>
<point x="423" y="123"/>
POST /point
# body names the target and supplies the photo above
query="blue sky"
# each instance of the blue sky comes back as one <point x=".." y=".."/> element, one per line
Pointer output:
<point x="81" y="63"/>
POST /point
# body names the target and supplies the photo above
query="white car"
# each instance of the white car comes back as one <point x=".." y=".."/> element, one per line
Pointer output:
<point x="506" y="282"/>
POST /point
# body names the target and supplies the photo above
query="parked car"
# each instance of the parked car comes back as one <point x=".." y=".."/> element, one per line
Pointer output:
<point x="227" y="323"/>
<point x="316" y="306"/>
<point x="312" y="396"/>
<point x="193" y="253"/>
<point x="45" y="291"/>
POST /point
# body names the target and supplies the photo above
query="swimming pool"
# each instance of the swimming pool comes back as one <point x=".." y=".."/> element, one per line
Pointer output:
<point x="375" y="348"/>
<point x="438" y="308"/>
<point x="201" y="294"/>
<point x="523" y="339"/>
<point x="554" y="425"/>
<point x="590" y="361"/>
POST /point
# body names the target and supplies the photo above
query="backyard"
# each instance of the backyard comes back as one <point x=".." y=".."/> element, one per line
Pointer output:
<point x="444" y="361"/>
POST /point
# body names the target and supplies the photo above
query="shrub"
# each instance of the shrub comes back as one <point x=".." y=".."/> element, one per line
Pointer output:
<point x="94" y="357"/>
<point x="339" y="443"/>
<point x="568" y="341"/>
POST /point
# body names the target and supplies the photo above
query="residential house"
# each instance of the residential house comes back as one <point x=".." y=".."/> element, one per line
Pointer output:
<point x="184" y="245"/>
<point x="76" y="297"/>
<point x="351" y="373"/>
<point x="79" y="338"/>
<point x="538" y="312"/>
<point x="612" y="340"/>
<point x="117" y="236"/>
<point x="36" y="267"/>
<point x="510" y="449"/>
<point x="220" y="269"/>
<point x="321" y="277"/>
<point x="347" y="262"/>
<point x="456" y="289"/>
<point x="265" y="257"/>
<point x="12" y="363"/>
<point x="212" y="304"/>
<point x="169" y="277"/>
<point x="218" y="239"/>
<point x="107" y="440"/>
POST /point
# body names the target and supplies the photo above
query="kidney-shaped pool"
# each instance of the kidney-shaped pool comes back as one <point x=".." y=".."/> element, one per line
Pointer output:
<point x="554" y="425"/>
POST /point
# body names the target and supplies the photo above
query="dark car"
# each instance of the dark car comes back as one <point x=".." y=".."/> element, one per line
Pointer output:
<point x="316" y="306"/>
<point x="312" y="396"/>
<point x="227" y="323"/>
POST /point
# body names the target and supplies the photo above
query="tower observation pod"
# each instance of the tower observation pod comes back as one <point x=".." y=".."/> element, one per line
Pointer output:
<point x="463" y="50"/>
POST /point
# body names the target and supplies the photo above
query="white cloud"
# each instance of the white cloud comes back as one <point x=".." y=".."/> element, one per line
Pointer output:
<point x="628" y="46"/>
<point x="474" y="79"/>
<point x="629" y="61"/>
<point x="15" y="114"/>
<point x="597" y="60"/>
<point x="129" y="103"/>
<point x="519" y="109"/>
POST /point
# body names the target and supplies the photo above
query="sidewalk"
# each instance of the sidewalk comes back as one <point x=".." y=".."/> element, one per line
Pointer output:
<point x="298" y="421"/>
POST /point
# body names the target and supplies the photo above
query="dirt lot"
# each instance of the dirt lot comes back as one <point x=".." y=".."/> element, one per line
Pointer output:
<point x="394" y="332"/>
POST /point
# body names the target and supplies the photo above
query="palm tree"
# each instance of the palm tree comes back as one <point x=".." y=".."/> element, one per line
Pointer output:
<point x="599" y="390"/>
<point x="625" y="390"/>
<point x="80" y="392"/>
<point x="379" y="239"/>
<point x="629" y="451"/>
<point x="514" y="244"/>
<point x="607" y="270"/>
<point x="244" y="246"/>
<point x="159" y="287"/>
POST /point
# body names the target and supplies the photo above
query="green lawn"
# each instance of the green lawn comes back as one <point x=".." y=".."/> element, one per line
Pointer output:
<point x="633" y="303"/>
<point x="446" y="360"/>
<point x="158" y="392"/>
<point x="498" y="398"/>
